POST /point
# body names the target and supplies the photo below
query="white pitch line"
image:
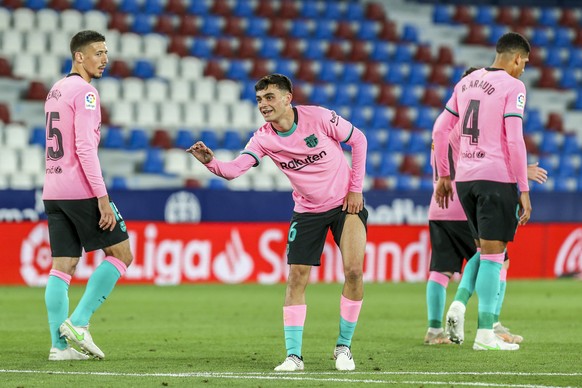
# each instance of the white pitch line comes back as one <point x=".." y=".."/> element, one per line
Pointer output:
<point x="302" y="376"/>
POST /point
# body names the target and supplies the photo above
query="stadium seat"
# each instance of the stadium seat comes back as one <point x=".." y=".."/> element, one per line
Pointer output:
<point x="374" y="11"/>
<point x="423" y="53"/>
<point x="256" y="27"/>
<point x="424" y="118"/>
<point x="143" y="69"/>
<point x="366" y="94"/>
<point x="300" y="29"/>
<point x="37" y="91"/>
<point x="292" y="48"/>
<point x="4" y="113"/>
<point x="154" y="7"/>
<point x="114" y="138"/>
<point x="335" y="50"/>
<point x="324" y="28"/>
<point x="551" y="143"/>
<point x="315" y="49"/>
<point x="484" y="15"/>
<point x="328" y="71"/>
<point x="381" y="117"/>
<point x="562" y="37"/>
<point x="138" y="139"/>
<point x="351" y="73"/>
<point x="288" y="10"/>
<point x="408" y="96"/>
<point x="402" y="118"/>
<point x="441" y="14"/>
<point x="555" y="122"/>
<point x="201" y="48"/>
<point x="355" y="11"/>
<point x="386" y="96"/>
<point x="374" y="72"/>
<point x="38" y="136"/>
<point x="397" y="141"/>
<point x="142" y="24"/>
<point x="165" y="25"/>
<point x="359" y="51"/>
<point x="390" y="164"/>
<point x="118" y="21"/>
<point x="367" y="31"/>
<point x="388" y="31"/>
<point x="568" y="79"/>
<point x="381" y="52"/>
<point x="571" y="145"/>
<point x="533" y="121"/>
<point x="396" y="74"/>
<point x="243" y="8"/>
<point x="211" y="25"/>
<point x="409" y="34"/>
<point x="475" y="35"/>
<point x="154" y="161"/>
<point x="188" y="25"/>
<point x="223" y="48"/>
<point x="209" y="138"/>
<point x="568" y="18"/>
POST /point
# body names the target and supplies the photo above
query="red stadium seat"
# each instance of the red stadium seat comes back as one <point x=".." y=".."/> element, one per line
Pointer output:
<point x="220" y="8"/>
<point x="223" y="48"/>
<point x="5" y="68"/>
<point x="288" y="10"/>
<point x="386" y="96"/>
<point x="577" y="41"/>
<point x="246" y="48"/>
<point x="106" y="6"/>
<point x="410" y="166"/>
<point x="475" y="35"/>
<point x="260" y="68"/>
<point x="12" y="4"/>
<point x="165" y="25"/>
<point x="178" y="46"/>
<point x="462" y="14"/>
<point x="444" y="56"/>
<point x="438" y="76"/>
<point x="547" y="78"/>
<point x="299" y="96"/>
<point x="344" y="30"/>
<point x="358" y="52"/>
<point x="402" y="118"/>
<point x="234" y="27"/>
<point x="118" y="21"/>
<point x="161" y="139"/>
<point x="119" y="69"/>
<point x="555" y="122"/>
<point x="292" y="49"/>
<point x="305" y="71"/>
<point x="388" y="32"/>
<point x="535" y="57"/>
<point x="176" y="7"/>
<point x="57" y="5"/>
<point x="279" y="28"/>
<point x="431" y="97"/>
<point x="526" y="17"/>
<point x="188" y="25"/>
<point x="530" y="145"/>
<point x="213" y="69"/>
<point x="335" y="51"/>
<point x="423" y="54"/>
<point x="568" y="18"/>
<point x="36" y="91"/>
<point x="4" y="113"/>
<point x="266" y="9"/>
<point x="505" y="16"/>
<point x="192" y="183"/>
<point x="372" y="73"/>
<point x="375" y="11"/>
<point x="105" y="117"/>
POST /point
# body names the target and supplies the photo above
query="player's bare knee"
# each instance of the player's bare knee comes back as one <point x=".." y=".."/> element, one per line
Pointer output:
<point x="67" y="265"/>
<point x="353" y="274"/>
<point x="121" y="251"/>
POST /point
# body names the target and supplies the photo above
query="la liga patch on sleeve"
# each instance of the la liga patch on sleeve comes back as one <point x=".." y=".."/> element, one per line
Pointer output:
<point x="90" y="101"/>
<point x="520" y="103"/>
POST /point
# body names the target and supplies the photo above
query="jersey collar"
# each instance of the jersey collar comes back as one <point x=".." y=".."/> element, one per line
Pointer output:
<point x="293" y="127"/>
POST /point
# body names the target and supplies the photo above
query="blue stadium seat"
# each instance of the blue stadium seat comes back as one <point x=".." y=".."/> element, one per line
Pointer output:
<point x="248" y="91"/>
<point x="365" y="94"/>
<point x="577" y="104"/>
<point x="417" y="74"/>
<point x="142" y="24"/>
<point x="79" y="5"/>
<point x="184" y="139"/>
<point x="198" y="8"/>
<point x="345" y="96"/>
<point x="417" y="144"/>
<point x="285" y="66"/>
<point x="332" y="10"/>
<point x="154" y="161"/>
<point x="574" y="57"/>
<point x="424" y="118"/>
<point x="299" y="29"/>
<point x="549" y="163"/>
<point x="395" y="74"/>
<point x="562" y="37"/>
<point x="138" y="139"/>
<point x="540" y="37"/>
<point x="405" y="182"/>
<point x="144" y="69"/>
<point x="243" y="8"/>
<point x="367" y="31"/>
<point x="426" y="184"/>
<point x="351" y="73"/>
<point x="154" y="7"/>
<point x="408" y="96"/>
<point x="256" y="27"/>
<point x="309" y="10"/>
<point x="567" y="166"/>
<point x="390" y="164"/>
<point x="232" y="141"/>
<point x="551" y="142"/>
<point x="457" y="73"/>
<point x="269" y="48"/>
<point x="484" y="15"/>
<point x="409" y="34"/>
<point x="441" y="14"/>
<point x="380" y="51"/>
<point x="314" y="49"/>
<point x="533" y="121"/>
<point x="397" y="141"/>
<point x="355" y="12"/>
<point x="114" y="138"/>
<point x="38" y="136"/>
<point x="403" y="53"/>
<point x="209" y="138"/>
<point x="118" y="183"/>
<point x="129" y="6"/>
<point x="568" y="79"/>
<point x="495" y="32"/>
<point x="359" y="119"/>
<point x="67" y="64"/>
<point x="324" y="29"/>
<point x="380" y="118"/>
<point x="201" y="48"/>
<point x="553" y="57"/>
<point x="374" y="139"/>
<point x="571" y="145"/>
<point x="211" y="26"/>
<point x="372" y="169"/>
<point x="216" y="184"/>
<point x="565" y="184"/>
<point x="328" y="71"/>
<point x="237" y="70"/>
<point x="319" y="95"/>
<point x="548" y="17"/>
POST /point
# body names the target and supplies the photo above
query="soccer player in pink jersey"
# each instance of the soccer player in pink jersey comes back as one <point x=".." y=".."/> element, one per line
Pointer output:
<point x="489" y="104"/>
<point x="80" y="213"/>
<point x="305" y="143"/>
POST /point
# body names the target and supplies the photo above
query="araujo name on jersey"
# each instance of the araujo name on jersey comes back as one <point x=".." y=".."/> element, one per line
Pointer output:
<point x="298" y="164"/>
<point x="486" y="86"/>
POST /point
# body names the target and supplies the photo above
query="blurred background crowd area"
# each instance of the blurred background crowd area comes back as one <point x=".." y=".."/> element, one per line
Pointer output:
<point x="184" y="70"/>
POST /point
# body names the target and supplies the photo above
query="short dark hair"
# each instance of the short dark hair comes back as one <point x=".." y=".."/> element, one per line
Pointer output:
<point x="469" y="71"/>
<point x="512" y="42"/>
<point x="83" y="38"/>
<point x="281" y="81"/>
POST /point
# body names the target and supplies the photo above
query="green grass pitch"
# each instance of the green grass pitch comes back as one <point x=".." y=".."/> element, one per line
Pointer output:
<point x="232" y="335"/>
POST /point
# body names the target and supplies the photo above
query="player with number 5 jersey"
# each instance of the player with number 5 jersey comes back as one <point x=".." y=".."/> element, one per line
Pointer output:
<point x="79" y="211"/>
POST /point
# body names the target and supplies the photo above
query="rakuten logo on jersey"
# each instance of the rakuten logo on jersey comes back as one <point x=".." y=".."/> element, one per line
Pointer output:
<point x="569" y="258"/>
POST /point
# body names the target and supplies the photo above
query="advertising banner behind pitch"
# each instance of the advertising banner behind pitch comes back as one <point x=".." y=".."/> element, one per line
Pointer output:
<point x="167" y="254"/>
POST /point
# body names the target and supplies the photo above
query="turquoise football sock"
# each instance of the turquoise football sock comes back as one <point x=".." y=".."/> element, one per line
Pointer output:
<point x="487" y="287"/>
<point x="56" y="297"/>
<point x="349" y="314"/>
<point x="99" y="286"/>
<point x="346" y="330"/>
<point x="467" y="284"/>
<point x="436" y="295"/>
<point x="500" y="298"/>
<point x="293" y="340"/>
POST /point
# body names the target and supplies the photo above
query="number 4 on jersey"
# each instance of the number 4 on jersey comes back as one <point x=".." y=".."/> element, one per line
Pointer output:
<point x="471" y="121"/>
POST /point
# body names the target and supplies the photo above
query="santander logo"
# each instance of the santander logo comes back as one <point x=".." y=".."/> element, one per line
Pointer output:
<point x="569" y="259"/>
<point x="234" y="265"/>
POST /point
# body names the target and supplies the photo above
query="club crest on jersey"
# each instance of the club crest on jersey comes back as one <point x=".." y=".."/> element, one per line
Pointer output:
<point x="311" y="141"/>
<point x="520" y="104"/>
<point x="90" y="101"/>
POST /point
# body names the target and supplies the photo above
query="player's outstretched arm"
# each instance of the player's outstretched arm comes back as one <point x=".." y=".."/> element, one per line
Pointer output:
<point x="201" y="152"/>
<point x="536" y="173"/>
